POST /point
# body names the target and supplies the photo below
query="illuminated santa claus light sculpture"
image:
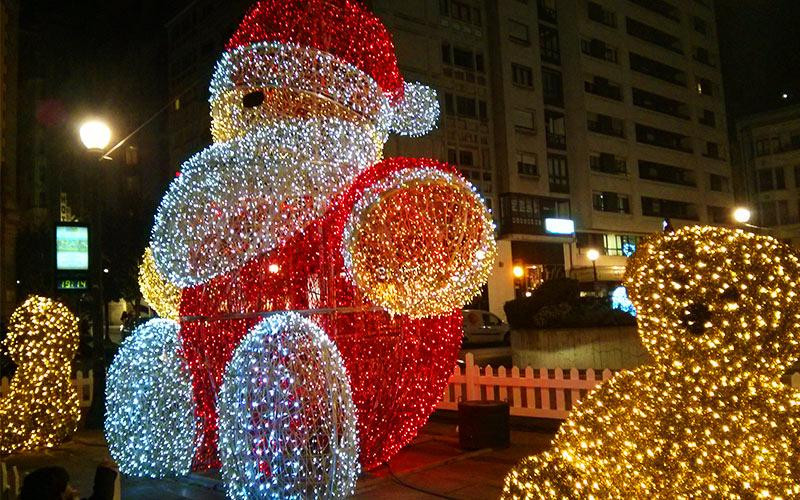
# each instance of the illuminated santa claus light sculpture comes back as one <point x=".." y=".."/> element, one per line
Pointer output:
<point x="292" y="210"/>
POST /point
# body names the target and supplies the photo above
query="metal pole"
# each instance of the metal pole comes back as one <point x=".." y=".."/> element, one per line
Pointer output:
<point x="97" y="410"/>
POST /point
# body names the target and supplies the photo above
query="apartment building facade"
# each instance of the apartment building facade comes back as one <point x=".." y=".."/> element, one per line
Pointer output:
<point x="9" y="213"/>
<point x="607" y="115"/>
<point x="769" y="161"/>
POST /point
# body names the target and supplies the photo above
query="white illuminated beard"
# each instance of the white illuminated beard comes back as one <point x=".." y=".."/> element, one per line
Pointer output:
<point x="238" y="199"/>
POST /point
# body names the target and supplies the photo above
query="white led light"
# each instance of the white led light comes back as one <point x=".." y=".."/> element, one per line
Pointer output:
<point x="418" y="113"/>
<point x="150" y="421"/>
<point x="287" y="425"/>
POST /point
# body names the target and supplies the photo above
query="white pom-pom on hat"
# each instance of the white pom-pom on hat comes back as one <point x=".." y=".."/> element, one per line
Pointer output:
<point x="418" y="113"/>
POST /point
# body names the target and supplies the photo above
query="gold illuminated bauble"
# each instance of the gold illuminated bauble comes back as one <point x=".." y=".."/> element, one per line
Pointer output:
<point x="162" y="295"/>
<point x="41" y="408"/>
<point x="718" y="310"/>
<point x="423" y="249"/>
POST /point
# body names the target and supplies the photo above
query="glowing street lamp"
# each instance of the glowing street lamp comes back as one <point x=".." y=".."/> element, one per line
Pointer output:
<point x="518" y="271"/>
<point x="95" y="135"/>
<point x="742" y="215"/>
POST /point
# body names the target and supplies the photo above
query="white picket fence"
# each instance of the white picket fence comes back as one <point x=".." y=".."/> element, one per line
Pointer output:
<point x="81" y="382"/>
<point x="532" y="392"/>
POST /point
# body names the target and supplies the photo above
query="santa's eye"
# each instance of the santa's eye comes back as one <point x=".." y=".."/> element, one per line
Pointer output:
<point x="253" y="99"/>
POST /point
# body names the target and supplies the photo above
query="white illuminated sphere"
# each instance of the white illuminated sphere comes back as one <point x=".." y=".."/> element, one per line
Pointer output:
<point x="741" y="215"/>
<point x="287" y="424"/>
<point x="95" y="134"/>
<point x="150" y="414"/>
<point x="592" y="254"/>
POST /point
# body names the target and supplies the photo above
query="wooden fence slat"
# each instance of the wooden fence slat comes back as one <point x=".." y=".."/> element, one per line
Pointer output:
<point x="516" y="392"/>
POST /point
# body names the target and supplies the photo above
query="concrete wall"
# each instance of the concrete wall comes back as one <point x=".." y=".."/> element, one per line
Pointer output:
<point x="609" y="347"/>
<point x="501" y="281"/>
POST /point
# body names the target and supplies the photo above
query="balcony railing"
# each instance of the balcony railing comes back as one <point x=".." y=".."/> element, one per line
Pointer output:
<point x="606" y="128"/>
<point x="556" y="141"/>
<point x="547" y="13"/>
<point x="604" y="90"/>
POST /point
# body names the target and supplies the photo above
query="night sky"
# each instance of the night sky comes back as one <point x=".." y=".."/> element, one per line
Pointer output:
<point x="760" y="50"/>
<point x="759" y="44"/>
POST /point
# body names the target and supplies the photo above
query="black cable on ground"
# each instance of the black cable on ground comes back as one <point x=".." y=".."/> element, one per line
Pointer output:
<point x="414" y="487"/>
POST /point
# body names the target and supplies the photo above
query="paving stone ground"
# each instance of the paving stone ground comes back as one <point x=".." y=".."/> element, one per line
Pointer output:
<point x="432" y="466"/>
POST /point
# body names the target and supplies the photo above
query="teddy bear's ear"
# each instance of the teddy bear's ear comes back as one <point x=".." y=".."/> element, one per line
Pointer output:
<point x="418" y="113"/>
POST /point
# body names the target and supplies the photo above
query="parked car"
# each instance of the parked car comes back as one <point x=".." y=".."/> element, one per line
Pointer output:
<point x="483" y="327"/>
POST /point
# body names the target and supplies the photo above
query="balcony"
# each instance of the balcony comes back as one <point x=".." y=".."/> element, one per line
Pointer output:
<point x="663" y="138"/>
<point x="598" y="49"/>
<point x="702" y="56"/>
<point x="661" y="104"/>
<point x="606" y="125"/>
<point x="657" y="69"/>
<point x="607" y="163"/>
<point x="599" y="14"/>
<point x="603" y="88"/>
<point x="660" y="172"/>
<point x="652" y="35"/>
<point x="547" y="12"/>
<point x="660" y="7"/>
<point x="556" y="141"/>
<point x="525" y="214"/>
<point x="656" y="207"/>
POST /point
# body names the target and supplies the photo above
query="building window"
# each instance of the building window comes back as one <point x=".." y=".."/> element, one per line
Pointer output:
<point x="603" y="87"/>
<point x="462" y="58"/>
<point x="663" y="138"/>
<point x="465" y="106"/>
<point x="762" y="147"/>
<point x="547" y="10"/>
<point x="657" y="69"/>
<point x="717" y="215"/>
<point x="557" y="171"/>
<point x="703" y="56"/>
<point x="659" y="103"/>
<point x="661" y="172"/>
<point x="712" y="150"/>
<point x="604" y="124"/>
<point x="552" y="87"/>
<point x="526" y="164"/>
<point x="719" y="183"/>
<point x="600" y="14"/>
<point x="606" y="201"/>
<point x="607" y="163"/>
<point x="700" y="26"/>
<point x="518" y="32"/>
<point x="657" y="207"/>
<point x="460" y="11"/>
<point x="768" y="213"/>
<point x="555" y="129"/>
<point x="548" y="44"/>
<point x="598" y="48"/>
<point x="797" y="176"/>
<point x="524" y="119"/>
<point x="620" y="244"/>
<point x="652" y="35"/>
<point x="522" y="75"/>
<point x="770" y="179"/>
<point x="705" y="86"/>
<point x="708" y="118"/>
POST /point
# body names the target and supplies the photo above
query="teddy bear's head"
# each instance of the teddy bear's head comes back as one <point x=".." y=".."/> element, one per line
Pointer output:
<point x="715" y="295"/>
<point x="42" y="333"/>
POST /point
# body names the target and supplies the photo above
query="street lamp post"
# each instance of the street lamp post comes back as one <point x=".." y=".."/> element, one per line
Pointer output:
<point x="592" y="254"/>
<point x="95" y="136"/>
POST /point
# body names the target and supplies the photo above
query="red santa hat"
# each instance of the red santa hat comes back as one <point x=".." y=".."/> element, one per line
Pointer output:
<point x="336" y="49"/>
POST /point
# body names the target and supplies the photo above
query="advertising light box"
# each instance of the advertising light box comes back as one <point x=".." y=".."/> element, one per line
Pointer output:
<point x="72" y="248"/>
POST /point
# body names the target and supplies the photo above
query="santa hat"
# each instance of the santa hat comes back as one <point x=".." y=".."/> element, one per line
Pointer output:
<point x="334" y="49"/>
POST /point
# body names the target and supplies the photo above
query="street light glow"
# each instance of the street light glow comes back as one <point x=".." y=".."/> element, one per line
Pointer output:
<point x="95" y="135"/>
<point x="592" y="254"/>
<point x="741" y="215"/>
<point x="518" y="271"/>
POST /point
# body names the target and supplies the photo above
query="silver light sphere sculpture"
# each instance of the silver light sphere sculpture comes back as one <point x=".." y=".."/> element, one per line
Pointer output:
<point x="287" y="423"/>
<point x="150" y="421"/>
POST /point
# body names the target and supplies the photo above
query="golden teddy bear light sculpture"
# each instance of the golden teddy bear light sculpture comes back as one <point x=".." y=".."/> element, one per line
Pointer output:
<point x="41" y="409"/>
<point x="718" y="311"/>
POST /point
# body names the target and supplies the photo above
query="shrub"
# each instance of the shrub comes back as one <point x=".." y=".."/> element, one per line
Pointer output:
<point x="557" y="304"/>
